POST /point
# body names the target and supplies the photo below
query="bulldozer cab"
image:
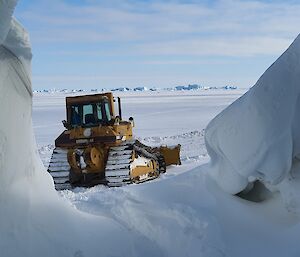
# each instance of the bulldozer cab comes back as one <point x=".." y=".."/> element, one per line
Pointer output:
<point x="89" y="111"/>
<point x="90" y="114"/>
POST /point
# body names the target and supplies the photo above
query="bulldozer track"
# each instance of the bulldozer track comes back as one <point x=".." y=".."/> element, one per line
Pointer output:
<point x="118" y="165"/>
<point x="120" y="158"/>
<point x="59" y="169"/>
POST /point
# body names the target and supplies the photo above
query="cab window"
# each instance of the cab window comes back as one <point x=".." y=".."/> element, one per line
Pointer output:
<point x="107" y="111"/>
<point x="99" y="111"/>
<point x="75" y="116"/>
<point x="88" y="114"/>
<point x="91" y="114"/>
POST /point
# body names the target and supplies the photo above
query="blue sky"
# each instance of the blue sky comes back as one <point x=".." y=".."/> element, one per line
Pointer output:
<point x="114" y="43"/>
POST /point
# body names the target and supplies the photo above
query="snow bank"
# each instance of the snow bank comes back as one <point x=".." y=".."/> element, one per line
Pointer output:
<point x="15" y="95"/>
<point x="258" y="136"/>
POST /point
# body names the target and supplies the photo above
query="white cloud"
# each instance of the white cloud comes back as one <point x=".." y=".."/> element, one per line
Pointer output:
<point x="224" y="27"/>
<point x="218" y="46"/>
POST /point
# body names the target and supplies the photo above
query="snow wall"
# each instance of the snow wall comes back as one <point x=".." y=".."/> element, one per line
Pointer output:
<point x="18" y="155"/>
<point x="258" y="136"/>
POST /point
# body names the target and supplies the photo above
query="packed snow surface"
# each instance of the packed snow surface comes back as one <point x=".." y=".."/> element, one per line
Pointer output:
<point x="183" y="213"/>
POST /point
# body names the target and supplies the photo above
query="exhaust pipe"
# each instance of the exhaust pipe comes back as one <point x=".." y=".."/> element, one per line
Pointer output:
<point x="119" y="106"/>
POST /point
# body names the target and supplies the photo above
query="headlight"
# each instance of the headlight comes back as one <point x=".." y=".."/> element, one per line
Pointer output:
<point x="87" y="132"/>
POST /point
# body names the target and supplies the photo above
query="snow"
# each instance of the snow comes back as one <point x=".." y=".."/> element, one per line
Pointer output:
<point x="183" y="213"/>
<point x="257" y="137"/>
<point x="6" y="11"/>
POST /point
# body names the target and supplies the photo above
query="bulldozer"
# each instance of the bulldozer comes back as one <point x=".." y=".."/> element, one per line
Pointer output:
<point x="98" y="147"/>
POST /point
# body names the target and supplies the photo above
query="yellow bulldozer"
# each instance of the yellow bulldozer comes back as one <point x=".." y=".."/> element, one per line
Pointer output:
<point x="97" y="147"/>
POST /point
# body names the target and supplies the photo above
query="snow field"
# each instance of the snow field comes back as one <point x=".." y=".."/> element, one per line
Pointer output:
<point x="184" y="212"/>
<point x="160" y="212"/>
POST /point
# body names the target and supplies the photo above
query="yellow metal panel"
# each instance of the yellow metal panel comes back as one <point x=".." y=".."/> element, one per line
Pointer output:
<point x="151" y="169"/>
<point x="171" y="155"/>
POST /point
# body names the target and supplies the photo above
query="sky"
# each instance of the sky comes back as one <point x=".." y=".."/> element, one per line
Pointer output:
<point x="85" y="44"/>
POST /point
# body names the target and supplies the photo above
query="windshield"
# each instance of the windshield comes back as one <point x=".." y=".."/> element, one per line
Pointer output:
<point x="92" y="114"/>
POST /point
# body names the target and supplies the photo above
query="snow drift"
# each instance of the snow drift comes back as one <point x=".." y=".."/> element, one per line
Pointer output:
<point x="258" y="136"/>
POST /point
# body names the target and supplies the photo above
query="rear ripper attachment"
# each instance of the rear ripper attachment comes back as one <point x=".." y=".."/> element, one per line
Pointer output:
<point x="97" y="147"/>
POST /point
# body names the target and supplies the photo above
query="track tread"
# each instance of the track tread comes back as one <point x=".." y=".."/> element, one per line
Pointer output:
<point x="117" y="173"/>
<point x="59" y="169"/>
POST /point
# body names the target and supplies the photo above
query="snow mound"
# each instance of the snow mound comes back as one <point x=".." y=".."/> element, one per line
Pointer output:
<point x="258" y="136"/>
